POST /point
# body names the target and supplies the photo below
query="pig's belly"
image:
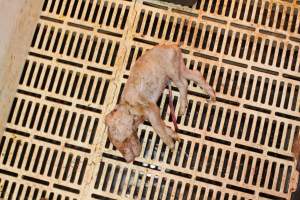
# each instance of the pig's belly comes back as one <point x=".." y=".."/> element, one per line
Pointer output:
<point x="152" y="91"/>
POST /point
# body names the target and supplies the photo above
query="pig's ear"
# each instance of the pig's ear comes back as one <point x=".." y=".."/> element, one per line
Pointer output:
<point x="109" y="116"/>
<point x="109" y="119"/>
<point x="109" y="122"/>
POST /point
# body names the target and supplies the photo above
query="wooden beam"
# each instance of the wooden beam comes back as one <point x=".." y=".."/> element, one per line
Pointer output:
<point x="17" y="21"/>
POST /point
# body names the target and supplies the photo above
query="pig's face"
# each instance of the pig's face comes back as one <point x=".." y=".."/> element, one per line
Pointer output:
<point x="120" y="124"/>
<point x="121" y="132"/>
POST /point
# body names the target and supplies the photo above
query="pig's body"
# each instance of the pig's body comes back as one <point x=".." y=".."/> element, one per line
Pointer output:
<point x="148" y="78"/>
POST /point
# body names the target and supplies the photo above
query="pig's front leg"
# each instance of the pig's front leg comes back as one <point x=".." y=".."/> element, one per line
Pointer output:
<point x="165" y="133"/>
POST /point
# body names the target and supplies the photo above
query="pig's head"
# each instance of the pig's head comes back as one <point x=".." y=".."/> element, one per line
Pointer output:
<point x="122" y="133"/>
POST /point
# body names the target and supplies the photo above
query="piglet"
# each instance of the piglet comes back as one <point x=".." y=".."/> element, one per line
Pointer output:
<point x="149" y="76"/>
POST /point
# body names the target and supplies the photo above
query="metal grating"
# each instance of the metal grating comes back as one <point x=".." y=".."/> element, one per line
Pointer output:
<point x="55" y="146"/>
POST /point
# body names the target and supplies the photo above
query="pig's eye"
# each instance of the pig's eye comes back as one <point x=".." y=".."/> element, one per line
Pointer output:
<point x="114" y="110"/>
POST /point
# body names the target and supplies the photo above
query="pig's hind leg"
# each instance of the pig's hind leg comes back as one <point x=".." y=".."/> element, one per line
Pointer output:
<point x="180" y="82"/>
<point x="196" y="76"/>
<point x="182" y="87"/>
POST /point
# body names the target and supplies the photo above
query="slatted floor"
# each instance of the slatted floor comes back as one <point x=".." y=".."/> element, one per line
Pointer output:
<point x="55" y="145"/>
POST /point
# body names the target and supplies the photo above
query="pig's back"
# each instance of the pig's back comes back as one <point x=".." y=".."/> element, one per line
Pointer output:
<point x="148" y="76"/>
